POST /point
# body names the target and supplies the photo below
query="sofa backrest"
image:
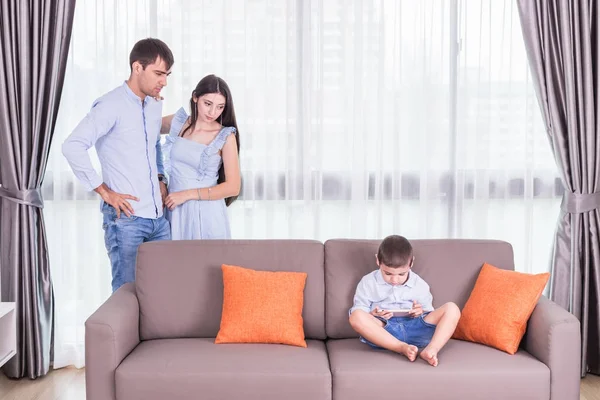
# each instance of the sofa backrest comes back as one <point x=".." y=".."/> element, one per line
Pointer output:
<point x="449" y="266"/>
<point x="179" y="284"/>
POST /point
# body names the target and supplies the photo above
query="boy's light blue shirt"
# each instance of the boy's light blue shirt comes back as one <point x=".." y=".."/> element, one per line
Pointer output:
<point x="373" y="291"/>
<point x="126" y="133"/>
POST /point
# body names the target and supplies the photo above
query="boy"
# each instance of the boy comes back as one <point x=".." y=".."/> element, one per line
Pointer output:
<point x="394" y="286"/>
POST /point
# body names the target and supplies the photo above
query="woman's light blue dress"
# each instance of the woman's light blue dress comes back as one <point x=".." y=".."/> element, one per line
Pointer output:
<point x="192" y="165"/>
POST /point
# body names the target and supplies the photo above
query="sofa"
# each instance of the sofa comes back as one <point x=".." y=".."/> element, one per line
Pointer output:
<point x="154" y="339"/>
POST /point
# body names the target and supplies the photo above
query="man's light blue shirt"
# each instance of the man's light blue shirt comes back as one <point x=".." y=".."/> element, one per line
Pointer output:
<point x="373" y="291"/>
<point x="126" y="133"/>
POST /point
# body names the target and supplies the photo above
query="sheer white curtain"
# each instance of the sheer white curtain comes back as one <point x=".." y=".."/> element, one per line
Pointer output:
<point x="357" y="119"/>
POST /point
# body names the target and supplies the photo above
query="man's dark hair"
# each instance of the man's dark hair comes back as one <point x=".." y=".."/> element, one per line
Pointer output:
<point x="395" y="251"/>
<point x="146" y="51"/>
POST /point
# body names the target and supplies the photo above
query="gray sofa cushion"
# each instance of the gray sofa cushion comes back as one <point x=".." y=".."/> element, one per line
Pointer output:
<point x="450" y="267"/>
<point x="466" y="371"/>
<point x="179" y="284"/>
<point x="178" y="369"/>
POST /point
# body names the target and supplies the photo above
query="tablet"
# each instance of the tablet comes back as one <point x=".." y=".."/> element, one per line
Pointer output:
<point x="401" y="312"/>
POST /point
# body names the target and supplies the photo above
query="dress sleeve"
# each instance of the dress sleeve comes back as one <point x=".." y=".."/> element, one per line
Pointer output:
<point x="176" y="124"/>
<point x="222" y="137"/>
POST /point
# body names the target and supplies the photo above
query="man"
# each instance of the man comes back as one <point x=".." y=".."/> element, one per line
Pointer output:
<point x="124" y="126"/>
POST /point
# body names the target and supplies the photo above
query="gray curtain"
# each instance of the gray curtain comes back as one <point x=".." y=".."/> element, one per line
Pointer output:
<point x="561" y="37"/>
<point x="34" y="43"/>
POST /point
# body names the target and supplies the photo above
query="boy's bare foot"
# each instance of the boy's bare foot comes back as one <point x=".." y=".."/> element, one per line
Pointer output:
<point x="430" y="355"/>
<point x="409" y="351"/>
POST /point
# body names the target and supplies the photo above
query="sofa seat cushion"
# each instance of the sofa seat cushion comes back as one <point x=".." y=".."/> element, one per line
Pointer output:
<point x="178" y="369"/>
<point x="466" y="371"/>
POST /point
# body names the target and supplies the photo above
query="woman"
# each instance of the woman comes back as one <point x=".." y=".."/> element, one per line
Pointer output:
<point x="201" y="158"/>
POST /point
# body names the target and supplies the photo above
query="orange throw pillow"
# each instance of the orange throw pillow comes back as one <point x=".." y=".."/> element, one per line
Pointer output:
<point x="499" y="307"/>
<point x="262" y="307"/>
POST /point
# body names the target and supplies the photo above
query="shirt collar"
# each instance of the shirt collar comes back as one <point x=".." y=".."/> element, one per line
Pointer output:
<point x="132" y="95"/>
<point x="412" y="279"/>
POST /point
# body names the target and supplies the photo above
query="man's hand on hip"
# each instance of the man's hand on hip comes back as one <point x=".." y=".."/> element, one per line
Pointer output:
<point x="117" y="200"/>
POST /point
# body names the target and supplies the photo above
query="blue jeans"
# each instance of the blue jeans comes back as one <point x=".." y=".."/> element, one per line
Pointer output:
<point x="123" y="235"/>
<point x="413" y="331"/>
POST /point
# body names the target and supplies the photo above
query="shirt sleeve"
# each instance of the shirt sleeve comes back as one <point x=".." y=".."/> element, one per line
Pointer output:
<point x="97" y="123"/>
<point x="425" y="297"/>
<point x="361" y="298"/>
<point x="160" y="164"/>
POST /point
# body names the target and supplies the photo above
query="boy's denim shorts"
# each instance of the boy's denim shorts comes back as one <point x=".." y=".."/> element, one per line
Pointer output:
<point x="413" y="331"/>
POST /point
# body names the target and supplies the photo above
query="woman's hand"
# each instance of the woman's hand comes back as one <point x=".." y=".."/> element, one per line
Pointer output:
<point x="177" y="198"/>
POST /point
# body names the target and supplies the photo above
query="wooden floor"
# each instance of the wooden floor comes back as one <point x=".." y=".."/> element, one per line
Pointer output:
<point x="69" y="384"/>
<point x="61" y="384"/>
<point x="590" y="388"/>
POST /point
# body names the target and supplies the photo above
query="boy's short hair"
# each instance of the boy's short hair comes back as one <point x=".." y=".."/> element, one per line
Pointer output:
<point x="146" y="51"/>
<point x="395" y="251"/>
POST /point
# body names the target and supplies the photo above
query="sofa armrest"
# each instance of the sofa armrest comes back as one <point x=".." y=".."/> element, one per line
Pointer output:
<point x="111" y="333"/>
<point x="553" y="337"/>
